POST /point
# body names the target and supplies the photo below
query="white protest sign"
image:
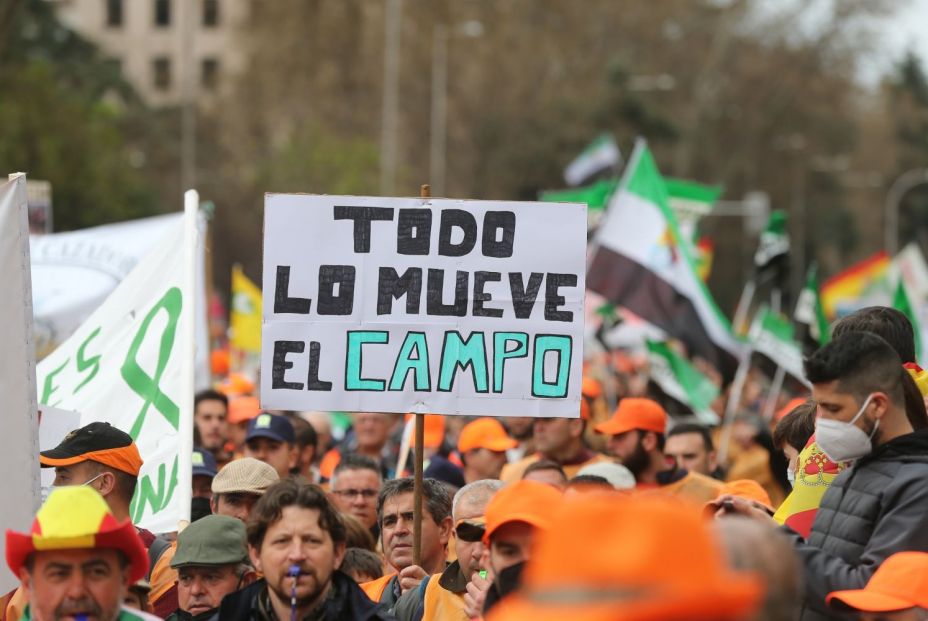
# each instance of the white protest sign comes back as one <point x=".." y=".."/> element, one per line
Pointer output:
<point x="423" y="305"/>
<point x="54" y="425"/>
<point x="126" y="365"/>
<point x="19" y="459"/>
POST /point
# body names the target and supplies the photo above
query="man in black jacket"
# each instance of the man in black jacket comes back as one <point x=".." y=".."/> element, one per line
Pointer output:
<point x="296" y="540"/>
<point x="879" y="506"/>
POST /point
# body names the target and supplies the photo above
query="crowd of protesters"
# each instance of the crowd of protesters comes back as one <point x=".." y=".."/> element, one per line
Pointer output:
<point x="626" y="512"/>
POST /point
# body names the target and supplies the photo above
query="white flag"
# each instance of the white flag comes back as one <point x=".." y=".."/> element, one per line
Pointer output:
<point x="19" y="443"/>
<point x="126" y="364"/>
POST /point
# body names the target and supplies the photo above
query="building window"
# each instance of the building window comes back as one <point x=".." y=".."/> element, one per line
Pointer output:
<point x="161" y="67"/>
<point x="210" y="13"/>
<point x="162" y="13"/>
<point x="114" y="13"/>
<point x="209" y="74"/>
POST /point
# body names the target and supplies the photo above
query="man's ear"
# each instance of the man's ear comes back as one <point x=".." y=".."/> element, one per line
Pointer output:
<point x="713" y="461"/>
<point x="576" y="427"/>
<point x="248" y="577"/>
<point x="882" y="404"/>
<point x="444" y="530"/>
<point x="25" y="579"/>
<point x="340" y="550"/>
<point x="649" y="441"/>
<point x="255" y="555"/>
<point x="107" y="483"/>
<point x="294" y="456"/>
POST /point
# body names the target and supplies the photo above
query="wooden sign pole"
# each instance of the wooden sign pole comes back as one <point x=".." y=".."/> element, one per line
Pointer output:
<point x="425" y="192"/>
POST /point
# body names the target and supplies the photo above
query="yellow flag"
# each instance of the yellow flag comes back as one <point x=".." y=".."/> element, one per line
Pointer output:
<point x="245" y="321"/>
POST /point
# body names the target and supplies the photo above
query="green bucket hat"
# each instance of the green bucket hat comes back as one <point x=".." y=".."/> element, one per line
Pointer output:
<point x="213" y="540"/>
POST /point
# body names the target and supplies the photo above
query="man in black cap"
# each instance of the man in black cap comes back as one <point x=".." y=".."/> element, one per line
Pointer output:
<point x="204" y="471"/>
<point x="271" y="439"/>
<point x="211" y="562"/>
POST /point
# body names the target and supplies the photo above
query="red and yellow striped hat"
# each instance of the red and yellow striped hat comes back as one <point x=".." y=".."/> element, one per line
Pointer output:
<point x="77" y="518"/>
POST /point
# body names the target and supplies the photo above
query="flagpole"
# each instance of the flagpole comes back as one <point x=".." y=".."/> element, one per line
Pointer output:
<point x="731" y="407"/>
<point x="424" y="192"/>
<point x="188" y="352"/>
<point x="776" y="387"/>
<point x="744" y="305"/>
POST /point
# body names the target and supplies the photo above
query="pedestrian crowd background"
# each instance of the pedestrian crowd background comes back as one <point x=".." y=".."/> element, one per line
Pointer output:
<point x="623" y="513"/>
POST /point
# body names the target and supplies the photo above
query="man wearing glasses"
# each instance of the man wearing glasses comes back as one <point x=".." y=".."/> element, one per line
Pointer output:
<point x="442" y="595"/>
<point x="355" y="486"/>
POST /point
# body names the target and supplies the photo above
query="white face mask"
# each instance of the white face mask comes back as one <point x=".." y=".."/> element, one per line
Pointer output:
<point x="841" y="441"/>
<point x="791" y="476"/>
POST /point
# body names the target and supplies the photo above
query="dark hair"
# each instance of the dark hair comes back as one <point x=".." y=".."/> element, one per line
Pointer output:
<point x="896" y="329"/>
<point x="862" y="363"/>
<point x="589" y="480"/>
<point x="356" y="535"/>
<point x="702" y="430"/>
<point x="353" y="461"/>
<point x="544" y="464"/>
<point x="796" y="427"/>
<point x="307" y="437"/>
<point x="892" y="325"/>
<point x="362" y="561"/>
<point x="125" y="482"/>
<point x="289" y="493"/>
<point x="209" y="395"/>
<point x="436" y="495"/>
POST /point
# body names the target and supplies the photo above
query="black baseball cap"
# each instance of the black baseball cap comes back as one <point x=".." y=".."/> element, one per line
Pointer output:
<point x="99" y="442"/>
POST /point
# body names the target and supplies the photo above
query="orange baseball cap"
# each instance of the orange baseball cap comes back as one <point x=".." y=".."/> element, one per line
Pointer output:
<point x="236" y="384"/>
<point x="901" y="582"/>
<point x="434" y="431"/>
<point x="789" y="407"/>
<point x="635" y="413"/>
<point x="743" y="488"/>
<point x="591" y="387"/>
<point x="243" y="409"/>
<point x="607" y="557"/>
<point x="522" y="501"/>
<point x="485" y="433"/>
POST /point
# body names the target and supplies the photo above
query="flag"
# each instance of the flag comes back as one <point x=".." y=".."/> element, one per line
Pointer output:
<point x="245" y="315"/>
<point x="772" y="255"/>
<point x="19" y="442"/>
<point x="863" y="284"/>
<point x="690" y="202"/>
<point x="641" y="263"/>
<point x="74" y="272"/>
<point x="126" y="365"/>
<point x="680" y="380"/>
<point x="815" y="474"/>
<point x="903" y="304"/>
<point x="810" y="315"/>
<point x="772" y="336"/>
<point x="705" y="253"/>
<point x="601" y="155"/>
<point x="595" y="195"/>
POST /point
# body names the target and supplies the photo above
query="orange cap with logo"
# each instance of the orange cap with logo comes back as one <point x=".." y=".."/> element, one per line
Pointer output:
<point x="607" y="558"/>
<point x="742" y="488"/>
<point x="635" y="413"/>
<point x="485" y="433"/>
<point x="789" y="407"/>
<point x="901" y="582"/>
<point x="523" y="501"/>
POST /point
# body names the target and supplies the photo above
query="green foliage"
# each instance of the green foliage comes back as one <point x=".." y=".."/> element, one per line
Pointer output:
<point x="56" y="123"/>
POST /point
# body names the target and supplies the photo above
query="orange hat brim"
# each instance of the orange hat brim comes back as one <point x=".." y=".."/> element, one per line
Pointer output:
<point x="125" y="459"/>
<point x="123" y="538"/>
<point x="869" y="601"/>
<point x="497" y="445"/>
<point x="533" y="519"/>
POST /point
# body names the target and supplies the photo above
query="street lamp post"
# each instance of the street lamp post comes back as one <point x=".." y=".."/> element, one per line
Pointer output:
<point x="905" y="182"/>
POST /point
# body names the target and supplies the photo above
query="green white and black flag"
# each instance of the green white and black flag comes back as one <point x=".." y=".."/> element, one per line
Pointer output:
<point x="599" y="156"/>
<point x="681" y="381"/>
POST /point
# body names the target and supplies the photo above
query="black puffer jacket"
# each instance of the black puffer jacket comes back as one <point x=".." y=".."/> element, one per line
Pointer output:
<point x="874" y="509"/>
<point x="347" y="602"/>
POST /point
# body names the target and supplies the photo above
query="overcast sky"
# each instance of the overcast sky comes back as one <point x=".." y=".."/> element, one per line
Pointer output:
<point x="907" y="30"/>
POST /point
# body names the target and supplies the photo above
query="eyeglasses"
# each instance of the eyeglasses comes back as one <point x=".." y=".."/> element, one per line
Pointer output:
<point x="470" y="532"/>
<point x="366" y="494"/>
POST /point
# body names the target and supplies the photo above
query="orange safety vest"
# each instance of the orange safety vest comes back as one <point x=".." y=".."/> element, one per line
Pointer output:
<point x="375" y="588"/>
<point x="441" y="604"/>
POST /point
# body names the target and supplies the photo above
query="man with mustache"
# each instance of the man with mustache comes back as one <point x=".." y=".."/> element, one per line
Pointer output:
<point x="296" y="540"/>
<point x="78" y="560"/>
<point x="211" y="562"/>
<point x="395" y="516"/>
